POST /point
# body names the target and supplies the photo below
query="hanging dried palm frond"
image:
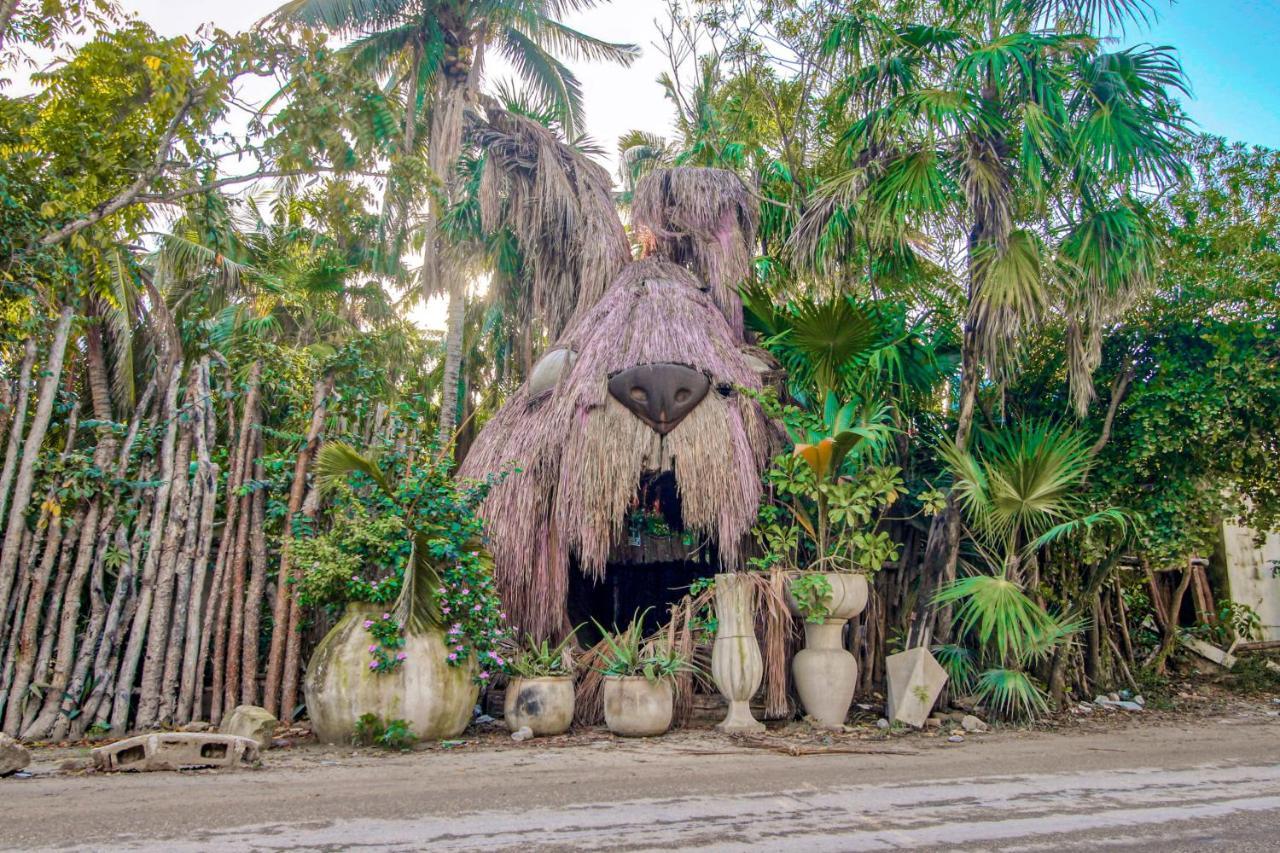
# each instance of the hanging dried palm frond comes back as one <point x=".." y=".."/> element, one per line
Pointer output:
<point x="559" y="205"/>
<point x="705" y="220"/>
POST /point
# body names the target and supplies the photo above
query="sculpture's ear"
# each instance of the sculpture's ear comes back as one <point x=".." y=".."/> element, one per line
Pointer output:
<point x="549" y="370"/>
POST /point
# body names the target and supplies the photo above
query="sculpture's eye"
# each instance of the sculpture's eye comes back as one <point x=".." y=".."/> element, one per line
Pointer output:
<point x="549" y="369"/>
<point x="639" y="395"/>
<point x="683" y="395"/>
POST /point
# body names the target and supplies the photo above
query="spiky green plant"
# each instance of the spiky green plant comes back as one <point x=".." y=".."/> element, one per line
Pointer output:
<point x="628" y="653"/>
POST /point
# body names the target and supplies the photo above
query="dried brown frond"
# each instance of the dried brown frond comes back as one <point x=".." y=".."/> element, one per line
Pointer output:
<point x="705" y="220"/>
<point x="559" y="205"/>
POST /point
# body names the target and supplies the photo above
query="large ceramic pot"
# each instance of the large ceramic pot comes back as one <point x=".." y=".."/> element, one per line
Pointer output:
<point x="826" y="675"/>
<point x="634" y="706"/>
<point x="544" y="705"/>
<point x="736" y="665"/>
<point x="434" y="698"/>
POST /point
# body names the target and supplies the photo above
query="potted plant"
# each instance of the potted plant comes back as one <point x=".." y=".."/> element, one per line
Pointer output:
<point x="833" y="491"/>
<point x="639" y="683"/>
<point x="540" y="694"/>
<point x="416" y="642"/>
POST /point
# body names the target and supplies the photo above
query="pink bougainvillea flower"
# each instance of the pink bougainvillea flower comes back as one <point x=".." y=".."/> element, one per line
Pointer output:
<point x="373" y="664"/>
<point x="386" y="615"/>
<point x="401" y="656"/>
<point x="452" y="656"/>
<point x="484" y="675"/>
<point x="372" y="649"/>
<point x="368" y="623"/>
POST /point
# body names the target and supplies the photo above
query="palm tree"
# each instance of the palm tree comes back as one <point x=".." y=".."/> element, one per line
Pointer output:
<point x="1005" y="128"/>
<point x="434" y="50"/>
<point x="1019" y="490"/>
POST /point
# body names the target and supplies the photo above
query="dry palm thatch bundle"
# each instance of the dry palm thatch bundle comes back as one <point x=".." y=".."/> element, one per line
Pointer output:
<point x="559" y="205"/>
<point x="581" y="455"/>
<point x="706" y="220"/>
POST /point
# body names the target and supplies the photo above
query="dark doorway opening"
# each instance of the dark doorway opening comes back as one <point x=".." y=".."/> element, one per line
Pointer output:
<point x="652" y="567"/>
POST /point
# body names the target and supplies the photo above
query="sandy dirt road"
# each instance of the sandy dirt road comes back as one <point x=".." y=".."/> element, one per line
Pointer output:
<point x="1195" y="785"/>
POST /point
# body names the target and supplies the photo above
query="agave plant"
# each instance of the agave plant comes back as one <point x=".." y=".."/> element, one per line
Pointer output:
<point x="627" y="654"/>
<point x="534" y="659"/>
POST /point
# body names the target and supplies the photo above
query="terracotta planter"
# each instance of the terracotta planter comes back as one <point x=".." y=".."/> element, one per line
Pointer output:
<point x="637" y="707"/>
<point x="544" y="705"/>
<point x="826" y="675"/>
<point x="435" y="699"/>
<point x="736" y="664"/>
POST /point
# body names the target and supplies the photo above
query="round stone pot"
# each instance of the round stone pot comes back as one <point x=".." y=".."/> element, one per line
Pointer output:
<point x="736" y="665"/>
<point x="435" y="699"/>
<point x="544" y="705"/>
<point x="826" y="675"/>
<point x="637" y="707"/>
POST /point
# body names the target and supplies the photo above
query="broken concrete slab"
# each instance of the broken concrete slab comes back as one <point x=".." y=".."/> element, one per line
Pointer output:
<point x="253" y="722"/>
<point x="915" y="680"/>
<point x="177" y="750"/>
<point x="13" y="755"/>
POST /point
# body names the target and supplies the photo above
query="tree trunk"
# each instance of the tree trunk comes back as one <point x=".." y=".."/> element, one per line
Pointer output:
<point x="25" y="658"/>
<point x="943" y="545"/>
<point x="151" y="563"/>
<point x="438" y="268"/>
<point x="284" y="578"/>
<point x="240" y="552"/>
<point x="293" y="648"/>
<point x="166" y="574"/>
<point x="31" y="452"/>
<point x="186" y="644"/>
<point x="257" y="585"/>
<point x="16" y="425"/>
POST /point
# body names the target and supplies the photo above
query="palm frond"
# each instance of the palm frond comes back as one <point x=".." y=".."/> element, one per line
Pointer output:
<point x="338" y="460"/>
<point x="1011" y="693"/>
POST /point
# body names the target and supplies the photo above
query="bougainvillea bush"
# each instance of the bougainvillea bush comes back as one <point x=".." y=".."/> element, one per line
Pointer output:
<point x="404" y="533"/>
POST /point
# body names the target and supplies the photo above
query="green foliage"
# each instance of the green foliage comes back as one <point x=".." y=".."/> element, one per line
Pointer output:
<point x="361" y="557"/>
<point x="1011" y="693"/>
<point x="830" y="495"/>
<point x="396" y="735"/>
<point x="812" y="594"/>
<point x="448" y="580"/>
<point x="388" y="644"/>
<point x="533" y="659"/>
<point x="628" y="654"/>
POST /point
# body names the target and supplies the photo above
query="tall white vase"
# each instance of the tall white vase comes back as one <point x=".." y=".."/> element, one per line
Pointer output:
<point x="826" y="674"/>
<point x="736" y="664"/>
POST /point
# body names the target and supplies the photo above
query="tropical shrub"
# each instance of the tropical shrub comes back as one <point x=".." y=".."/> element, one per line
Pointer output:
<point x="447" y="581"/>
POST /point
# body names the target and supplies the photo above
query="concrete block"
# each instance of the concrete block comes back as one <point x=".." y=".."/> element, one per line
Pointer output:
<point x="915" y="681"/>
<point x="252" y="722"/>
<point x="176" y="750"/>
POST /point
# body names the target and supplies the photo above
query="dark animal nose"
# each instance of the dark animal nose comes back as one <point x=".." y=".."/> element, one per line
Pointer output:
<point x="661" y="395"/>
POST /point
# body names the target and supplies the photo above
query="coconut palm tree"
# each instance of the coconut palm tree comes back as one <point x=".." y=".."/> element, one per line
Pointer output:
<point x="1006" y="129"/>
<point x="434" y="51"/>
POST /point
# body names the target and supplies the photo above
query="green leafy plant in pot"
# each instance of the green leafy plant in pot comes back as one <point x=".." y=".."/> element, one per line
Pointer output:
<point x="423" y="656"/>
<point x="639" y="683"/>
<point x="832" y="491"/>
<point x="540" y="693"/>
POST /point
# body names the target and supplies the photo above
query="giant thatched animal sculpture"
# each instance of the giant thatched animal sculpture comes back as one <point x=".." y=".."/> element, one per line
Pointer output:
<point x="646" y="378"/>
